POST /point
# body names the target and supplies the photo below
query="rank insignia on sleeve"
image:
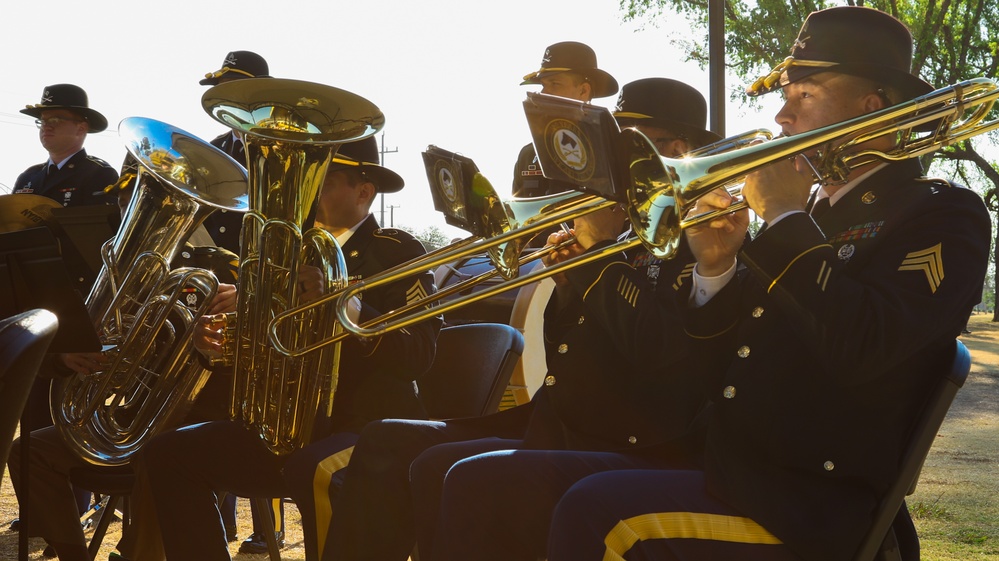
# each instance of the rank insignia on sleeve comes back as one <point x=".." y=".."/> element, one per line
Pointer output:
<point x="416" y="293"/>
<point x="929" y="261"/>
<point x="684" y="274"/>
<point x="628" y="290"/>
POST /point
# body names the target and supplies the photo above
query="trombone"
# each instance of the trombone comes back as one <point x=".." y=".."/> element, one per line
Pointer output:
<point x="661" y="191"/>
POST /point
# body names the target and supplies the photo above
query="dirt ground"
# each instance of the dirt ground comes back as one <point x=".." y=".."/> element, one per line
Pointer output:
<point x="955" y="505"/>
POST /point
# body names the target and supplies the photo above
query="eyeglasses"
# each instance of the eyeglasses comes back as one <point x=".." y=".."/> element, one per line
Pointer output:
<point x="55" y="121"/>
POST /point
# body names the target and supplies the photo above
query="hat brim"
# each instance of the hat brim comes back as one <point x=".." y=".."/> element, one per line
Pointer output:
<point x="604" y="85"/>
<point x="213" y="78"/>
<point x="698" y="137"/>
<point x="910" y="86"/>
<point x="96" y="121"/>
<point x="385" y="180"/>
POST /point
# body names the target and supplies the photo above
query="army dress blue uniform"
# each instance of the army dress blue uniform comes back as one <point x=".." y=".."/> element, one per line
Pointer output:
<point x="224" y="226"/>
<point x="79" y="182"/>
<point x="612" y="384"/>
<point x="376" y="379"/>
<point x="817" y="360"/>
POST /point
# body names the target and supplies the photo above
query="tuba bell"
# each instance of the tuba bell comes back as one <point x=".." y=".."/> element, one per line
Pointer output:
<point x="290" y="129"/>
<point x="136" y="305"/>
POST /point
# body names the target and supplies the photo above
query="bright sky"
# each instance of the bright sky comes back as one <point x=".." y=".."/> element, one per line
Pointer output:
<point x="444" y="72"/>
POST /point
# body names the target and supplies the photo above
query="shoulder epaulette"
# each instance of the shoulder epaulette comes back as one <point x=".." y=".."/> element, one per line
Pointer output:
<point x="937" y="182"/>
<point x="98" y="161"/>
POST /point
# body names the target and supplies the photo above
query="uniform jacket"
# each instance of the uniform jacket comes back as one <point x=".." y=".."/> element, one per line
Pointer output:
<point x="615" y="353"/>
<point x="213" y="400"/>
<point x="820" y="355"/>
<point x="377" y="377"/>
<point x="81" y="181"/>
<point x="616" y="356"/>
<point x="528" y="180"/>
<point x="224" y="226"/>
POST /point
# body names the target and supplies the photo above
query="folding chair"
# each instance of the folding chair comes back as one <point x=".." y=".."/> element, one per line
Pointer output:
<point x="24" y="339"/>
<point x="471" y="370"/>
<point x="881" y="544"/>
<point x="468" y="378"/>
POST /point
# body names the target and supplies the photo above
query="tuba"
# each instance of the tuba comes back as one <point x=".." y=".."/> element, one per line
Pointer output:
<point x="291" y="129"/>
<point x="153" y="375"/>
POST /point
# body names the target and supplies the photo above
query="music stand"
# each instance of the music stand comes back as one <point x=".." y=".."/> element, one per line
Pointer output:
<point x="33" y="275"/>
<point x="83" y="230"/>
<point x="578" y="145"/>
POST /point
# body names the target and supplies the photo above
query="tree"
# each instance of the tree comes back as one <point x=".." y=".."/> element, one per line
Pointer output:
<point x="431" y="237"/>
<point x="954" y="40"/>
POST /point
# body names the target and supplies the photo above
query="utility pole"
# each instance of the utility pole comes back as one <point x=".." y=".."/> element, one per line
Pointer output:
<point x="392" y="215"/>
<point x="381" y="161"/>
<point x="716" y="65"/>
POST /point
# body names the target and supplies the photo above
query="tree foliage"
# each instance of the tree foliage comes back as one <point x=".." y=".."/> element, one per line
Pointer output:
<point x="954" y="40"/>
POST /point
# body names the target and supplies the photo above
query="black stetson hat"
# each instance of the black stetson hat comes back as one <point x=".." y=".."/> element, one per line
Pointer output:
<point x="850" y="40"/>
<point x="246" y="64"/>
<point x="363" y="156"/>
<point x="668" y="104"/>
<point x="570" y="56"/>
<point x="68" y="96"/>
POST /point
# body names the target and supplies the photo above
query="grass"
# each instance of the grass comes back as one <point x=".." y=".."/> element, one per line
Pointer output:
<point x="955" y="506"/>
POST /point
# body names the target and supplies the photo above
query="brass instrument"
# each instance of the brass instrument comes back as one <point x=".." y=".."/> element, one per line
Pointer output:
<point x="508" y="226"/>
<point x="291" y="129"/>
<point x="153" y="375"/>
<point x="661" y="191"/>
<point x="663" y="195"/>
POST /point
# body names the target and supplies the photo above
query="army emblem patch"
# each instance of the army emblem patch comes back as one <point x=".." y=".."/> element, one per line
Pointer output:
<point x="446" y="183"/>
<point x="930" y="262"/>
<point x="570" y="149"/>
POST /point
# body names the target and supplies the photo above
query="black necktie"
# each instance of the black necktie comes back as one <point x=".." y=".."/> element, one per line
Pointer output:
<point x="51" y="169"/>
<point x="820" y="207"/>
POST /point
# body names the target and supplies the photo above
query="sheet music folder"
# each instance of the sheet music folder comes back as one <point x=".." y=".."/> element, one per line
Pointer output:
<point x="451" y="178"/>
<point x="33" y="275"/>
<point x="578" y="144"/>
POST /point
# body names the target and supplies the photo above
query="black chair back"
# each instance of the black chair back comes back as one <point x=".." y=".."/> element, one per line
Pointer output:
<point x="880" y="543"/>
<point x="24" y="340"/>
<point x="471" y="370"/>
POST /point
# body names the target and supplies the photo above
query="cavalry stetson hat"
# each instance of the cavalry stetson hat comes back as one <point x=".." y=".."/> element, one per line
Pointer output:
<point x="68" y="96"/>
<point x="668" y="104"/>
<point x="850" y="40"/>
<point x="570" y="56"/>
<point x="246" y="64"/>
<point x="362" y="155"/>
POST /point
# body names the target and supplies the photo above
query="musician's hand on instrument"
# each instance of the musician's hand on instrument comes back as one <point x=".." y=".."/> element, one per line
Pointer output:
<point x="208" y="335"/>
<point x="716" y="242"/>
<point x="225" y="299"/>
<point x="83" y="363"/>
<point x="777" y="189"/>
<point x="311" y="284"/>
<point x="557" y="256"/>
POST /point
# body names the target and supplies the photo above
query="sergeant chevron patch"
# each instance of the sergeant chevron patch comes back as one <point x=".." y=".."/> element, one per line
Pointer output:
<point x="684" y="274"/>
<point x="415" y="292"/>
<point x="929" y="261"/>
<point x="628" y="290"/>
